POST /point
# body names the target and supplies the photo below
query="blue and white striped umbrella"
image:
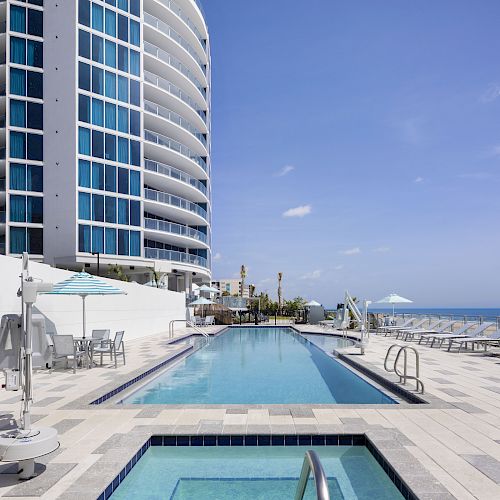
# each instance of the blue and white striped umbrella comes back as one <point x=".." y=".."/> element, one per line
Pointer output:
<point x="84" y="284"/>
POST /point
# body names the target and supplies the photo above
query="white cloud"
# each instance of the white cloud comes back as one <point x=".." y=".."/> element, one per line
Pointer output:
<point x="381" y="249"/>
<point x="351" y="251"/>
<point x="284" y="171"/>
<point x="301" y="211"/>
<point x="217" y="256"/>
<point x="492" y="93"/>
<point x="339" y="267"/>
<point x="312" y="276"/>
<point x="418" y="180"/>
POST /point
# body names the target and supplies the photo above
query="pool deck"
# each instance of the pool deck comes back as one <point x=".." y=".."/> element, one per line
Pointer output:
<point x="448" y="448"/>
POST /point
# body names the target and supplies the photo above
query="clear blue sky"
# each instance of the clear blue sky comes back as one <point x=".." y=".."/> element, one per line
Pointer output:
<point x="379" y="123"/>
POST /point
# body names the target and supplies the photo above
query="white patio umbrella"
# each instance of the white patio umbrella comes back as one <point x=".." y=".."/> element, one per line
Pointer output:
<point x="202" y="301"/>
<point x="312" y="303"/>
<point x="209" y="289"/>
<point x="84" y="284"/>
<point x="394" y="299"/>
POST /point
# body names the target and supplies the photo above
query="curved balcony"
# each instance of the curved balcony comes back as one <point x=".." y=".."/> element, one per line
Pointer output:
<point x="167" y="142"/>
<point x="169" y="87"/>
<point x="178" y="203"/>
<point x="167" y="30"/>
<point x="172" y="61"/>
<point x="175" y="118"/>
<point x="178" y="175"/>
<point x="177" y="233"/>
<point x="186" y="258"/>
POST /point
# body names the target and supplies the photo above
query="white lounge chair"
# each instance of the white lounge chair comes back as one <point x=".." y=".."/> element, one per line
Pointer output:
<point x="439" y="327"/>
<point x="441" y="337"/>
<point x="65" y="348"/>
<point x="388" y="328"/>
<point x="398" y="330"/>
<point x="475" y="337"/>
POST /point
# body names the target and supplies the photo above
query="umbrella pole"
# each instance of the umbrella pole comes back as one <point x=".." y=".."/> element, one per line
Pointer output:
<point x="84" y="325"/>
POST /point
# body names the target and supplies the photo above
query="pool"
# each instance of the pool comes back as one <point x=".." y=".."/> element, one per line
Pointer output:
<point x="259" y="366"/>
<point x="252" y="473"/>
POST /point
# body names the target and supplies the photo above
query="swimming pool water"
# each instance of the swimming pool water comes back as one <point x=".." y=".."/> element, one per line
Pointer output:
<point x="252" y="473"/>
<point x="258" y="366"/>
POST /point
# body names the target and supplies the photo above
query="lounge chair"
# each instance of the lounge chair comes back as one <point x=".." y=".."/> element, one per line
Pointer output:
<point x="65" y="348"/>
<point x="209" y="321"/>
<point x="438" y="327"/>
<point x="384" y="329"/>
<point x="476" y="338"/>
<point x="446" y="334"/>
<point x="114" y="348"/>
<point x="399" y="329"/>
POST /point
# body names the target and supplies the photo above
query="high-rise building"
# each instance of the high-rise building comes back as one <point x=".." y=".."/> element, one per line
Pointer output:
<point x="232" y="286"/>
<point x="105" y="135"/>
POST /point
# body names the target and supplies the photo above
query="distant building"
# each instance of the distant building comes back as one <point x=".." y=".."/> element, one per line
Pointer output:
<point x="232" y="287"/>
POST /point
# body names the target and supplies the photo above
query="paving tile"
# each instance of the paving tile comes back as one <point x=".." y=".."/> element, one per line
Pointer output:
<point x="279" y="411"/>
<point x="61" y="388"/>
<point x="453" y="392"/>
<point x="486" y="464"/>
<point x="149" y="413"/>
<point x="301" y="412"/>
<point x="493" y="389"/>
<point x="47" y="401"/>
<point x="236" y="411"/>
<point x="442" y="380"/>
<point x="66" y="424"/>
<point x="468" y="407"/>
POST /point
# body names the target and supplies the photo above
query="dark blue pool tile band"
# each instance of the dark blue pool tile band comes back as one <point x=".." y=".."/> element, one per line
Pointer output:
<point x="263" y="440"/>
<point x="126" y="385"/>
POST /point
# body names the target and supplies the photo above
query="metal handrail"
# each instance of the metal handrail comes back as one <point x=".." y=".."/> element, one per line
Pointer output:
<point x="403" y="376"/>
<point x="188" y="323"/>
<point x="312" y="464"/>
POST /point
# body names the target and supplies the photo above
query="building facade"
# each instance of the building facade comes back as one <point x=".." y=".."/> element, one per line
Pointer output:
<point x="232" y="287"/>
<point x="105" y="151"/>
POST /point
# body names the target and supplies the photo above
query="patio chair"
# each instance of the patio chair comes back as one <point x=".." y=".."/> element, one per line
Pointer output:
<point x="98" y="336"/>
<point x="441" y="337"/>
<point x="114" y="348"/>
<point x="198" y="321"/>
<point x="65" y="348"/>
<point x="438" y="327"/>
<point x="209" y="321"/>
<point x="475" y="337"/>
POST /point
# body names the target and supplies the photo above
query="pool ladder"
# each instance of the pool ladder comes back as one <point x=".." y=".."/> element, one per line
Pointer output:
<point x="313" y="465"/>
<point x="403" y="376"/>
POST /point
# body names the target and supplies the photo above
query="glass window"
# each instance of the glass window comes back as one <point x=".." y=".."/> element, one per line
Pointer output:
<point x="84" y="108"/>
<point x="98" y="112"/>
<point x="122" y="58"/>
<point x="35" y="22"/>
<point x="135" y="7"/>
<point x="17" y="208"/>
<point x="110" y="116"/>
<point x="135" y="92"/>
<point x="123" y="119"/>
<point x="35" y="115"/>
<point x="110" y="178"/>
<point x="110" y="147"/>
<point x="17" y="239"/>
<point x="135" y="63"/>
<point x="83" y="76"/>
<point x="36" y="2"/>
<point x="135" y="183"/>
<point x="17" y="50"/>
<point x="17" y="19"/>
<point x="84" y="141"/>
<point x="35" y="84"/>
<point x="17" y="176"/>
<point x="34" y="209"/>
<point x="17" y="81"/>
<point x="97" y="239"/>
<point x="84" y="238"/>
<point x="122" y="180"/>
<point x="135" y="213"/>
<point x="135" y="33"/>
<point x="123" y="28"/>
<point x="97" y="144"/>
<point x="135" y="243"/>
<point x="34" y="178"/>
<point x="135" y="123"/>
<point x="97" y="49"/>
<point x="97" y="176"/>
<point x="111" y="2"/>
<point x="84" y="44"/>
<point x="123" y="211"/>
<point x="35" y="54"/>
<point x="110" y="204"/>
<point x="135" y="153"/>
<point x="18" y="113"/>
<point x="122" y="89"/>
<point x="123" y="5"/>
<point x="35" y="147"/>
<point x="110" y="23"/>
<point x="110" y="85"/>
<point x="122" y="150"/>
<point x="97" y="17"/>
<point x="110" y="240"/>
<point x="98" y="207"/>
<point x="84" y="12"/>
<point x="84" y="173"/>
<point x="17" y="145"/>
<point x="110" y="54"/>
<point x="97" y="80"/>
<point x="84" y="206"/>
<point x="35" y="240"/>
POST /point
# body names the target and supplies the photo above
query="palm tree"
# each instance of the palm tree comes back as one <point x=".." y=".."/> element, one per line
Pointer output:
<point x="280" y="298"/>
<point x="243" y="275"/>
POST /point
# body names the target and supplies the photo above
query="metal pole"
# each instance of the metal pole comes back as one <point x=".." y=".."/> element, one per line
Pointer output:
<point x="28" y="389"/>
<point x="84" y="321"/>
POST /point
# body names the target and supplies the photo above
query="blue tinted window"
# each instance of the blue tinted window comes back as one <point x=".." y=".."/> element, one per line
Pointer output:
<point x="111" y="2"/>
<point x="83" y="76"/>
<point x="97" y="176"/>
<point x="83" y="238"/>
<point x="135" y="63"/>
<point x="35" y="84"/>
<point x="97" y="17"/>
<point x="97" y="80"/>
<point x="84" y="108"/>
<point x="122" y="150"/>
<point x="35" y="22"/>
<point x="35" y="115"/>
<point x="110" y="54"/>
<point x="135" y="243"/>
<point x="110" y="85"/>
<point x="122" y="58"/>
<point x="123" y="5"/>
<point x="123" y="119"/>
<point x="17" y="239"/>
<point x="84" y="206"/>
<point x="135" y="153"/>
<point x="98" y="112"/>
<point x="17" y="145"/>
<point x="97" y="239"/>
<point x="135" y="7"/>
<point x="123" y="180"/>
<point x="97" y="144"/>
<point x="17" y="50"/>
<point x="17" y="113"/>
<point x="135" y="123"/>
<point x="17" y="177"/>
<point x="135" y="213"/>
<point x="123" y="28"/>
<point x="84" y="12"/>
<point x="97" y="49"/>
<point x="34" y="178"/>
<point x="110" y="240"/>
<point x="84" y="44"/>
<point x="110" y="214"/>
<point x="34" y="147"/>
<point x="123" y="211"/>
<point x="135" y="33"/>
<point x="122" y="89"/>
<point x="84" y="141"/>
<point x="17" y="81"/>
<point x="135" y="92"/>
<point x="84" y="173"/>
<point x="123" y="242"/>
<point x="34" y="209"/>
<point x="98" y="207"/>
<point x="110" y="178"/>
<point x="35" y="240"/>
<point x="110" y="147"/>
<point x="17" y="208"/>
<point x="35" y="54"/>
<point x="17" y="19"/>
<point x="110" y="23"/>
<point x="110" y="116"/>
<point x="135" y="183"/>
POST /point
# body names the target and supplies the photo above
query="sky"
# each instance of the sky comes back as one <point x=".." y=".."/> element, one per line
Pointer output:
<point x="356" y="146"/>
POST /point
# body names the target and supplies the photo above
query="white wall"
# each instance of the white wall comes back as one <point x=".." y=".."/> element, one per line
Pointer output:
<point x="142" y="312"/>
